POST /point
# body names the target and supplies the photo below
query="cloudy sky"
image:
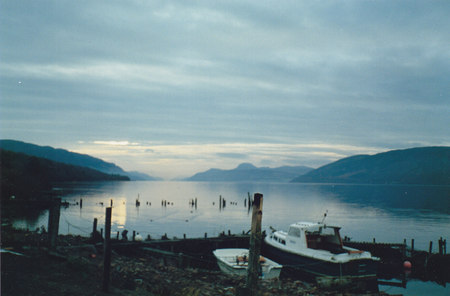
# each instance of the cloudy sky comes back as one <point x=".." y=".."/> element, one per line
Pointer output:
<point x="171" y="88"/>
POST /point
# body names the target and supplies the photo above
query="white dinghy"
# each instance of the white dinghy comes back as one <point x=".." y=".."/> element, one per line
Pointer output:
<point x="235" y="261"/>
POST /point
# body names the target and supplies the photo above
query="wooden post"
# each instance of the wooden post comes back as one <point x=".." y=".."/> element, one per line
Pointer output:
<point x="53" y="223"/>
<point x="440" y="246"/>
<point x="94" y="227"/>
<point x="107" y="251"/>
<point x="430" y="249"/>
<point x="111" y="202"/>
<point x="81" y="203"/>
<point x="412" y="245"/>
<point x="255" y="244"/>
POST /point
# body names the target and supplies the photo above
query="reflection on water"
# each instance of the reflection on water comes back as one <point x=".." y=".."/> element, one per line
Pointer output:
<point x="387" y="213"/>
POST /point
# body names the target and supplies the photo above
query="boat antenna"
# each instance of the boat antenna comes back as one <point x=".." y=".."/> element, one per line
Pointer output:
<point x="324" y="216"/>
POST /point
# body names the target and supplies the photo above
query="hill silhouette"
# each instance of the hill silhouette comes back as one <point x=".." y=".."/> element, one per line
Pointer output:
<point x="425" y="165"/>
<point x="72" y="158"/>
<point x="25" y="176"/>
<point x="248" y="172"/>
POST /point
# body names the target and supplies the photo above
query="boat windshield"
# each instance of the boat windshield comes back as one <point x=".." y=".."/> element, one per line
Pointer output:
<point x="325" y="238"/>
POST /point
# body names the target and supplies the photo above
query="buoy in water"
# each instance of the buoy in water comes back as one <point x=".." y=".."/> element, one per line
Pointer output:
<point x="407" y="265"/>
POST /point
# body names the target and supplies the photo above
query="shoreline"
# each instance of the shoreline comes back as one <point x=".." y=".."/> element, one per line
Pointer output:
<point x="76" y="269"/>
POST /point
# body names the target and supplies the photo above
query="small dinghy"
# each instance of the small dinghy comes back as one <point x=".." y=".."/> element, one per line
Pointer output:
<point x="235" y="262"/>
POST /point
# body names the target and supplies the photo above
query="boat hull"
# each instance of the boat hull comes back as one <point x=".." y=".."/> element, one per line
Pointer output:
<point x="231" y="270"/>
<point x="319" y="269"/>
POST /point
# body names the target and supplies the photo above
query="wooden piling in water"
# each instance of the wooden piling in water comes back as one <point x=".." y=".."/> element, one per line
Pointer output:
<point x="53" y="223"/>
<point x="255" y="245"/>
<point x="107" y="251"/>
<point x="94" y="226"/>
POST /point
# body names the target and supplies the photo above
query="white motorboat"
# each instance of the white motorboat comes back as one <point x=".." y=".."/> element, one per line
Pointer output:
<point x="316" y="249"/>
<point x="235" y="261"/>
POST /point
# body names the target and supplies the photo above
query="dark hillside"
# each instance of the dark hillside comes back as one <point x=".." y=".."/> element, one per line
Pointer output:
<point x="427" y="165"/>
<point x="72" y="158"/>
<point x="23" y="175"/>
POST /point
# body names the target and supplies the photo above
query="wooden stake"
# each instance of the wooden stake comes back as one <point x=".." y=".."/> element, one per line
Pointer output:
<point x="255" y="244"/>
<point x="94" y="227"/>
<point x="53" y="223"/>
<point x="107" y="251"/>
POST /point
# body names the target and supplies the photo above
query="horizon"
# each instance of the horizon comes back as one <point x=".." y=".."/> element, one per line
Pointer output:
<point x="170" y="89"/>
<point x="218" y="168"/>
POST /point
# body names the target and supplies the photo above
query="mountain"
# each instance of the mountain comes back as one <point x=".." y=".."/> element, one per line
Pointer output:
<point x="72" y="158"/>
<point x="248" y="172"/>
<point x="426" y="165"/>
<point x="25" y="176"/>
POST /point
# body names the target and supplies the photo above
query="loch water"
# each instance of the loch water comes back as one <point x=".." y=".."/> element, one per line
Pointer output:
<point x="387" y="213"/>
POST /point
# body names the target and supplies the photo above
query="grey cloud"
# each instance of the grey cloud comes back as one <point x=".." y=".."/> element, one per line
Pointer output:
<point x="233" y="155"/>
<point x="352" y="72"/>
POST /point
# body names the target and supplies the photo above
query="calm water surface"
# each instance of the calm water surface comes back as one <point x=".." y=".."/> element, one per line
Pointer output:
<point x="387" y="213"/>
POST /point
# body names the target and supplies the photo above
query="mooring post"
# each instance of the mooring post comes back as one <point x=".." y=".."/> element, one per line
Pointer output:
<point x="94" y="227"/>
<point x="81" y="203"/>
<point x="255" y="244"/>
<point x="440" y="245"/>
<point x="412" y="245"/>
<point x="53" y="223"/>
<point x="430" y="249"/>
<point x="107" y="251"/>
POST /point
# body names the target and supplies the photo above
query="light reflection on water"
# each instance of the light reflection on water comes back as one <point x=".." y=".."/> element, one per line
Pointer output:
<point x="387" y="213"/>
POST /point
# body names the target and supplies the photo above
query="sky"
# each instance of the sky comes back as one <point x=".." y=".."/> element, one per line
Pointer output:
<point x="171" y="88"/>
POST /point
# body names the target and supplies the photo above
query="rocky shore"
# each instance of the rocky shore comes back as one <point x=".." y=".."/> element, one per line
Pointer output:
<point x="28" y="268"/>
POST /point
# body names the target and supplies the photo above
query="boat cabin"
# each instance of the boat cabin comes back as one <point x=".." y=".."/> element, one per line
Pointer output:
<point x="311" y="235"/>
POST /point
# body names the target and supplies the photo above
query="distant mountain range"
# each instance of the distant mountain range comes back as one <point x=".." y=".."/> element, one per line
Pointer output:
<point x="248" y="172"/>
<point x="72" y="158"/>
<point x="427" y="166"/>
